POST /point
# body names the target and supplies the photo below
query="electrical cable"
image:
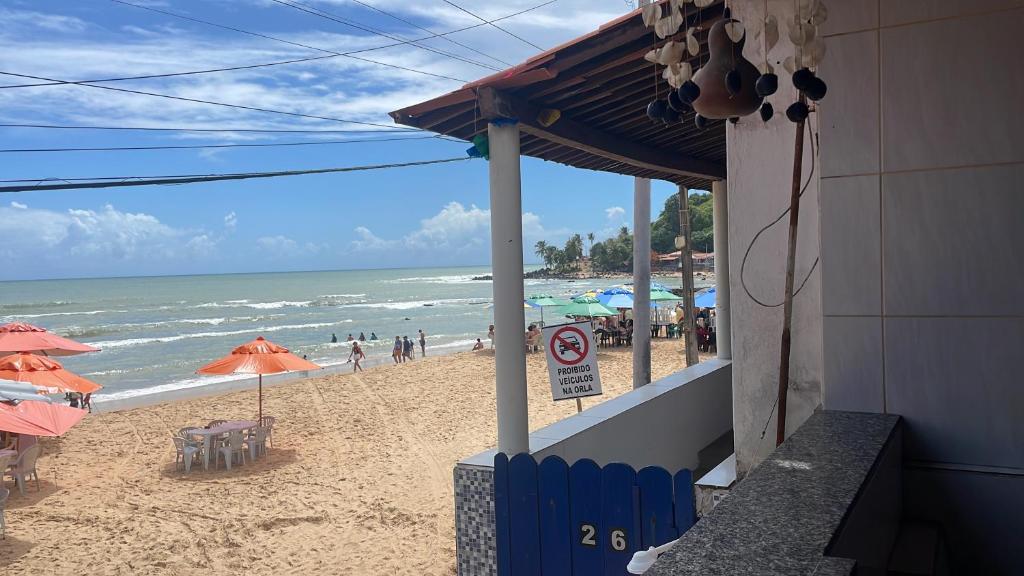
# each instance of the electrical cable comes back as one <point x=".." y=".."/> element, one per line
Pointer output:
<point x="299" y="44"/>
<point x="211" y="102"/>
<point x="198" y="146"/>
<point x="753" y="241"/>
<point x="160" y="129"/>
<point x="358" y="26"/>
<point x="429" y="31"/>
<point x="520" y="38"/>
<point x="169" y="180"/>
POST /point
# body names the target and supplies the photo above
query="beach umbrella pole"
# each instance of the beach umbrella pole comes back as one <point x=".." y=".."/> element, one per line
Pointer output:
<point x="261" y="399"/>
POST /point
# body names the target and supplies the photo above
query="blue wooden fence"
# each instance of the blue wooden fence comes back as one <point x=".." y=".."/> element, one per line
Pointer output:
<point x="553" y="519"/>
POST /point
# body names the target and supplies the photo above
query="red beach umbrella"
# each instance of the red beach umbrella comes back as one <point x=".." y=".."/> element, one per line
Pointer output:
<point x="261" y="357"/>
<point x="43" y="372"/>
<point x="38" y="418"/>
<point x="23" y="337"/>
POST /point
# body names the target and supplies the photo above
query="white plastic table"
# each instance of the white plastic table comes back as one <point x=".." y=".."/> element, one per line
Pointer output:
<point x="207" y="433"/>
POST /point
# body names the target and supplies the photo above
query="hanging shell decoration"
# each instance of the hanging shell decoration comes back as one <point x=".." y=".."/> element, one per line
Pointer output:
<point x="727" y="85"/>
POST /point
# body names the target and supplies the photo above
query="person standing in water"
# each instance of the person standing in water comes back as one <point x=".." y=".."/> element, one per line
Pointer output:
<point x="407" y="347"/>
<point x="355" y="356"/>
<point x="362" y="337"/>
<point x="373" y="336"/>
<point x="423" y="343"/>
<point x="396" y="352"/>
<point x="334" y="338"/>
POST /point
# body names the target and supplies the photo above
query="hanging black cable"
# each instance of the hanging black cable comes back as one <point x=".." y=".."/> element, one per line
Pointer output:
<point x="520" y="38"/>
<point x="143" y="181"/>
<point x="161" y="129"/>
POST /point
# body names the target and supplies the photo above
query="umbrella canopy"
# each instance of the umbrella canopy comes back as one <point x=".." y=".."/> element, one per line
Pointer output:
<point x="616" y="298"/>
<point x="705" y="299"/>
<point x="261" y="357"/>
<point x="44" y="372"/>
<point x="586" y="306"/>
<point x="11" y="391"/>
<point x="542" y="300"/>
<point x="663" y="295"/>
<point x="22" y="337"/>
<point x="39" y="418"/>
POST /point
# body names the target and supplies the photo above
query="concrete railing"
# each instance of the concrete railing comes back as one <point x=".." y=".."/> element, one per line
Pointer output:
<point x="665" y="423"/>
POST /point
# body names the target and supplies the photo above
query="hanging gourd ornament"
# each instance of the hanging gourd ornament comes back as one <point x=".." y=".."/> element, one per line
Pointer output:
<point x="700" y="121"/>
<point x="676" y="103"/>
<point x="767" y="111"/>
<point x="688" y="92"/>
<point x="766" y="85"/>
<point x="797" y="112"/>
<point x="656" y="109"/>
<point x="715" y="99"/>
<point x="671" y="116"/>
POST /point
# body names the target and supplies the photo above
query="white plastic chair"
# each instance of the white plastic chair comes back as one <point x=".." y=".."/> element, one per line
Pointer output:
<point x="4" y="494"/>
<point x="257" y="442"/>
<point x="268" y="423"/>
<point x="233" y="447"/>
<point x="185" y="452"/>
<point x="24" y="468"/>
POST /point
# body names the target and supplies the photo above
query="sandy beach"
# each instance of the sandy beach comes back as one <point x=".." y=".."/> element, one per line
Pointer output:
<point x="358" y="480"/>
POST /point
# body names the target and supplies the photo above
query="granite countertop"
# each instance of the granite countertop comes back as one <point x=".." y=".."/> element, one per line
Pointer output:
<point x="780" y="519"/>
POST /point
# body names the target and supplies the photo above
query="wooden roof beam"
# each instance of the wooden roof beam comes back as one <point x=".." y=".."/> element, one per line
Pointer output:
<point x="569" y="132"/>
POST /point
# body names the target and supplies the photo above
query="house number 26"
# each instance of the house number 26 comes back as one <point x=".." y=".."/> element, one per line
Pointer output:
<point x="617" y="537"/>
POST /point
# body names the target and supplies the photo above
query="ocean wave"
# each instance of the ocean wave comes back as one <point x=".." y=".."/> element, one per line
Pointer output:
<point x="170" y="387"/>
<point x="412" y="304"/>
<point x="46" y="314"/>
<point x="454" y="279"/>
<point x="108" y="344"/>
<point x="25" y="305"/>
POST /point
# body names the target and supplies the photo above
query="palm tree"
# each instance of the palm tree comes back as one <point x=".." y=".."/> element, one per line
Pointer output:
<point x="541" y="250"/>
<point x="590" y="238"/>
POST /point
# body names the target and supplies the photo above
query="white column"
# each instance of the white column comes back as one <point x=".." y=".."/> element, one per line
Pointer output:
<point x="507" y="266"/>
<point x="720" y="192"/>
<point x="641" y="282"/>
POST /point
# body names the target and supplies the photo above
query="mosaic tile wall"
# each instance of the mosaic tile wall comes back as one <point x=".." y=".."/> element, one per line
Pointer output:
<point x="474" y="521"/>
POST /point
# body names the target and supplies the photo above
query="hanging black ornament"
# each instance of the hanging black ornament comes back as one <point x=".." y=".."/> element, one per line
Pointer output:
<point x="801" y="78"/>
<point x="689" y="92"/>
<point x="767" y="111"/>
<point x="734" y="119"/>
<point x="733" y="82"/>
<point x="656" y="110"/>
<point x="671" y="116"/>
<point x="766" y="85"/>
<point x="676" y="103"/>
<point x="727" y="13"/>
<point x="816" y="89"/>
<point x="797" y="112"/>
<point x="700" y="121"/>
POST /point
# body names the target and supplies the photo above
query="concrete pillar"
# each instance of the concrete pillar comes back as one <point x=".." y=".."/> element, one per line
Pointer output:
<point x="641" y="282"/>
<point x="720" y="191"/>
<point x="507" y="270"/>
<point x="689" y="326"/>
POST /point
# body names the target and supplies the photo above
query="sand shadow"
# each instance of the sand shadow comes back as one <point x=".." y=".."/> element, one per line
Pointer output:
<point x="275" y="458"/>
<point x="32" y="496"/>
<point x="12" y="548"/>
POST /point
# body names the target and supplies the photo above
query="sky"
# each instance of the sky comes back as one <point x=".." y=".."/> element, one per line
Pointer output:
<point x="417" y="216"/>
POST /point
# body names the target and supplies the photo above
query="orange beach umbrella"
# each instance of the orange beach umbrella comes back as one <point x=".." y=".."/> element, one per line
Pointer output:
<point x="260" y="357"/>
<point x="38" y="418"/>
<point x="23" y="337"/>
<point x="44" y="372"/>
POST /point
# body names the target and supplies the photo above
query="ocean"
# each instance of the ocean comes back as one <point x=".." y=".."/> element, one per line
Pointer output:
<point x="155" y="331"/>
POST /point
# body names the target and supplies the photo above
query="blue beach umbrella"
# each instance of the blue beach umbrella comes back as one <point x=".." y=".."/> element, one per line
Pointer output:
<point x="705" y="299"/>
<point x="616" y="298"/>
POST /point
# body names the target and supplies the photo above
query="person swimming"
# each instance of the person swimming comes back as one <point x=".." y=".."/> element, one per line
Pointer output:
<point x="373" y="336"/>
<point x="334" y="338"/>
<point x="362" y="337"/>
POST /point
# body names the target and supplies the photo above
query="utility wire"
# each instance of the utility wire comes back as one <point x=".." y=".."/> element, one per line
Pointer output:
<point x="358" y="26"/>
<point x="276" y="39"/>
<point x="68" y="185"/>
<point x="520" y="38"/>
<point x="443" y="35"/>
<point x="197" y="146"/>
<point x="211" y="102"/>
<point x="429" y="31"/>
<point x="159" y="129"/>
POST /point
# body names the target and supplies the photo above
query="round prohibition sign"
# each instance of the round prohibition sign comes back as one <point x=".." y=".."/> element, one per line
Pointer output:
<point x="571" y="342"/>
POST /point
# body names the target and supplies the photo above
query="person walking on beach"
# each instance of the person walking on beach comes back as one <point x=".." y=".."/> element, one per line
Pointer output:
<point x="355" y="356"/>
<point x="406" y="348"/>
<point x="396" y="352"/>
<point x="423" y="344"/>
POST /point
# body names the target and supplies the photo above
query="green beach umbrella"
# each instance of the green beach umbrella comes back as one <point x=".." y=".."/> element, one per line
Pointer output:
<point x="663" y="295"/>
<point x="586" y="306"/>
<point x="545" y="300"/>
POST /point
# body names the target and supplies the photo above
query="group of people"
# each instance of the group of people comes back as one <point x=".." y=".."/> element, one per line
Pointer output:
<point x="706" y="336"/>
<point x="405" y="348"/>
<point x="362" y="338"/>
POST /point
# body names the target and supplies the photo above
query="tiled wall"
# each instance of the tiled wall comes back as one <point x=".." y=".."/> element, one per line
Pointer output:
<point x="474" y="520"/>
<point x="922" y="246"/>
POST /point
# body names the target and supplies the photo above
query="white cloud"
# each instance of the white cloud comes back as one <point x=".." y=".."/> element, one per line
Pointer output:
<point x="230" y="221"/>
<point x="615" y="212"/>
<point x="284" y="247"/>
<point x="51" y="22"/>
<point x="19" y="205"/>
<point x="107" y="241"/>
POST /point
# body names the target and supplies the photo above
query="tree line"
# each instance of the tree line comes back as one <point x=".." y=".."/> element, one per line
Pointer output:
<point x="615" y="254"/>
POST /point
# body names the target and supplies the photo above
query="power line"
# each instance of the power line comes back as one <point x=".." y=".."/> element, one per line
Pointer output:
<point x="358" y="26"/>
<point x="198" y="146"/>
<point x="274" y="38"/>
<point x="520" y="38"/>
<point x="210" y="102"/>
<point x="159" y="129"/>
<point x="429" y="31"/>
<point x="443" y="35"/>
<point x="143" y="181"/>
